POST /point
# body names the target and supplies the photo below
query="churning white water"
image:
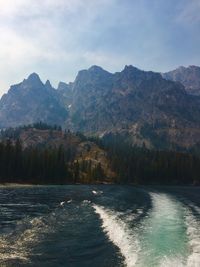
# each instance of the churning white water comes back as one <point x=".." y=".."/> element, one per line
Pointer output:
<point x="193" y="231"/>
<point x="119" y="226"/>
<point x="168" y="236"/>
<point x="163" y="236"/>
<point x="119" y="233"/>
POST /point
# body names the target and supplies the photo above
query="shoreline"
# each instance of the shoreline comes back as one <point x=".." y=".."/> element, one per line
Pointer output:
<point x="3" y="185"/>
<point x="30" y="185"/>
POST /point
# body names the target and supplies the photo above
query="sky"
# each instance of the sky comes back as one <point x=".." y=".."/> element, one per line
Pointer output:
<point x="57" y="38"/>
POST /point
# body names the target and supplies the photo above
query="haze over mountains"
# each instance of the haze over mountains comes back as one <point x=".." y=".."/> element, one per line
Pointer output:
<point x="143" y="107"/>
<point x="189" y="77"/>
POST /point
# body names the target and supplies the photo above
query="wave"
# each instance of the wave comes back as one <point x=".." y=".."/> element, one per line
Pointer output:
<point x="192" y="213"/>
<point x="119" y="233"/>
<point x="195" y="208"/>
<point x="174" y="209"/>
<point x="193" y="231"/>
<point x="17" y="246"/>
<point x="169" y="235"/>
<point x="162" y="234"/>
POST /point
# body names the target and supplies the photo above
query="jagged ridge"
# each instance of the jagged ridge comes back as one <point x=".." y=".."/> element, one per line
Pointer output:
<point x="141" y="106"/>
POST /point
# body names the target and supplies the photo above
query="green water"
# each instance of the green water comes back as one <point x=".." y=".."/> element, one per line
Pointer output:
<point x="163" y="234"/>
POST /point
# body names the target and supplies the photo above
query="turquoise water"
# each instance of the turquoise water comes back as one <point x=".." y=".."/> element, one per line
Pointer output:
<point x="100" y="226"/>
<point x="163" y="234"/>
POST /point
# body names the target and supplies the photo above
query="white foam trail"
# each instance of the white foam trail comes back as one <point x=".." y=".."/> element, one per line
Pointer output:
<point x="193" y="231"/>
<point x="176" y="262"/>
<point x="166" y="213"/>
<point x="159" y="234"/>
<point x="197" y="209"/>
<point x="164" y="206"/>
<point x="130" y="216"/>
<point x="119" y="233"/>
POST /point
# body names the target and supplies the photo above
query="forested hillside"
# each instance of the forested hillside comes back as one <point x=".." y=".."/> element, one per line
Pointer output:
<point x="43" y="154"/>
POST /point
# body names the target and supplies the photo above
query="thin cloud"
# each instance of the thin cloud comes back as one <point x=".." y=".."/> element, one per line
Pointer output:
<point x="189" y="12"/>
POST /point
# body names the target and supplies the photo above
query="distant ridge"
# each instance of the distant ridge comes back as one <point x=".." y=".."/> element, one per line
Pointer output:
<point x="31" y="101"/>
<point x="189" y="77"/>
<point x="143" y="107"/>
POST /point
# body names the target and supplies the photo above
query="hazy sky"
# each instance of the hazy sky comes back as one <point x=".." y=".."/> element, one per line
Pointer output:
<point x="56" y="38"/>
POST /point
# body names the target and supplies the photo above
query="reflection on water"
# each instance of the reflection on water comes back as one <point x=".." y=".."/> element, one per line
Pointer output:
<point x="100" y="226"/>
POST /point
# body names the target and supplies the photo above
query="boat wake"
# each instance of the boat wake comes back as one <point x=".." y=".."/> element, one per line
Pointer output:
<point x="120" y="234"/>
<point x="193" y="231"/>
<point x="168" y="236"/>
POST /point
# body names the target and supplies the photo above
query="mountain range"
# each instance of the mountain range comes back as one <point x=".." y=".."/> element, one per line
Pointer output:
<point x="159" y="110"/>
<point x="189" y="77"/>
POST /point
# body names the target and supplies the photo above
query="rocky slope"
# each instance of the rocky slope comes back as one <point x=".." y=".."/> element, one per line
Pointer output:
<point x="31" y="101"/>
<point x="189" y="77"/>
<point x="140" y="106"/>
<point x="79" y="149"/>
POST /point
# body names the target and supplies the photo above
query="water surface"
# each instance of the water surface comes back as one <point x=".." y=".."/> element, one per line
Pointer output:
<point x="102" y="226"/>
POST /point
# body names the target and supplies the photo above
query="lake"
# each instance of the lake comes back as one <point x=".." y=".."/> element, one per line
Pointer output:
<point x="99" y="225"/>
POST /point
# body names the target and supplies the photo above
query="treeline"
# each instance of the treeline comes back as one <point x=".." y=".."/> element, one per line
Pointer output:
<point x="85" y="172"/>
<point x="56" y="165"/>
<point x="44" y="164"/>
<point x="36" y="165"/>
<point x="33" y="165"/>
<point x="144" y="166"/>
<point x="14" y="133"/>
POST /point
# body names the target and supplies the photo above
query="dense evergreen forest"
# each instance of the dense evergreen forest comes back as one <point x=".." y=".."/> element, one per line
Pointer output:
<point x="139" y="165"/>
<point x="57" y="165"/>
<point x="144" y="166"/>
<point x="13" y="133"/>
<point x="43" y="164"/>
<point x="32" y="165"/>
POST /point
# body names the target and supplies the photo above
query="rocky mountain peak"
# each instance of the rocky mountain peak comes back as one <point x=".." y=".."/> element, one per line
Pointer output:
<point x="33" y="78"/>
<point x="181" y="68"/>
<point x="48" y="85"/>
<point x="33" y="81"/>
<point x="94" y="75"/>
<point x="193" y="67"/>
<point x="128" y="68"/>
<point x="31" y="101"/>
<point x="132" y="71"/>
<point x="189" y="77"/>
<point x="140" y="104"/>
<point x="131" y="77"/>
<point x="96" y="69"/>
<point x="62" y="86"/>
